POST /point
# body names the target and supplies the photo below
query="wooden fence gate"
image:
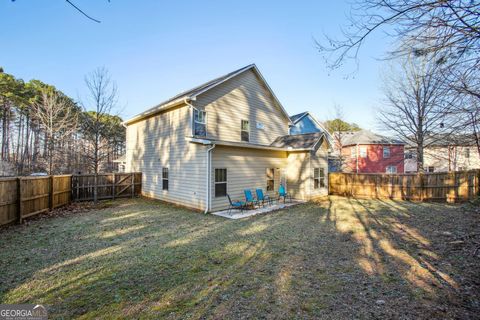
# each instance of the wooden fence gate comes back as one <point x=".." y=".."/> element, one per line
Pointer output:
<point x="110" y="186"/>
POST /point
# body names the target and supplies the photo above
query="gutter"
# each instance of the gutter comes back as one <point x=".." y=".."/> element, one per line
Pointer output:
<point x="208" y="189"/>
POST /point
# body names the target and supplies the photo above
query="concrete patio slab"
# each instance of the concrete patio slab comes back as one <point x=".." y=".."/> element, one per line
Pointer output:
<point x="237" y="214"/>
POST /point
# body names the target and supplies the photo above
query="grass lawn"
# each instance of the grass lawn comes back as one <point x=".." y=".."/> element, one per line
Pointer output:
<point x="338" y="258"/>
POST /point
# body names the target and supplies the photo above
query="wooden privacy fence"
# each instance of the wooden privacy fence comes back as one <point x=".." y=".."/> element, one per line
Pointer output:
<point x="110" y="186"/>
<point x="22" y="197"/>
<point x="443" y="186"/>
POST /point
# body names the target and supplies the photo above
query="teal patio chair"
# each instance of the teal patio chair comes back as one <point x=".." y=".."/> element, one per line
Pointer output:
<point x="261" y="198"/>
<point x="235" y="205"/>
<point x="249" y="199"/>
<point x="282" y="193"/>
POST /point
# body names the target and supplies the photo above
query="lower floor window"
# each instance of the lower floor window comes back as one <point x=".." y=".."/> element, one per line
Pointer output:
<point x="391" y="169"/>
<point x="164" y="178"/>
<point x="220" y="182"/>
<point x="270" y="179"/>
<point x="318" y="178"/>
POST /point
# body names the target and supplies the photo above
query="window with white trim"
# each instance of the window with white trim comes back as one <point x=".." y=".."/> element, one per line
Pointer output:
<point x="386" y="152"/>
<point x="220" y="182"/>
<point x="431" y="169"/>
<point x="353" y="152"/>
<point x="391" y="169"/>
<point x="270" y="179"/>
<point x="467" y="153"/>
<point x="245" y="131"/>
<point x="363" y="152"/>
<point x="164" y="178"/>
<point x="318" y="178"/>
<point x="199" y="123"/>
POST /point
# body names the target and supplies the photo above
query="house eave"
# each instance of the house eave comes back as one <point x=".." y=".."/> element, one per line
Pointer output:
<point x="243" y="145"/>
<point x="157" y="109"/>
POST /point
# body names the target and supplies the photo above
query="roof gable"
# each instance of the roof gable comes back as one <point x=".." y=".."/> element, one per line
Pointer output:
<point x="191" y="95"/>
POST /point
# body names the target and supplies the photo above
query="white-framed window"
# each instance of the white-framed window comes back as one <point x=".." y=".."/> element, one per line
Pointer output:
<point x="318" y="178"/>
<point x="199" y="123"/>
<point x="353" y="152"/>
<point x="391" y="169"/>
<point x="363" y="152"/>
<point x="220" y="182"/>
<point x="164" y="178"/>
<point x="270" y="179"/>
<point x="245" y="130"/>
<point x="386" y="152"/>
<point x="431" y="169"/>
<point x="467" y="153"/>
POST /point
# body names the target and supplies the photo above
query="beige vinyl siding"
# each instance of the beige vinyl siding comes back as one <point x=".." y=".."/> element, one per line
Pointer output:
<point x="298" y="174"/>
<point x="246" y="169"/>
<point x="159" y="141"/>
<point x="242" y="98"/>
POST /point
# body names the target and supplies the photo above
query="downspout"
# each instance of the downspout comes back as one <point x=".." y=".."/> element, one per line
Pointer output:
<point x="207" y="180"/>
<point x="208" y="189"/>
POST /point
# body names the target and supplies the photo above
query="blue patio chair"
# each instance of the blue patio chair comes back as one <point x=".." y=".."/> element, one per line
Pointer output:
<point x="249" y="199"/>
<point x="282" y="193"/>
<point x="235" y="205"/>
<point x="261" y="198"/>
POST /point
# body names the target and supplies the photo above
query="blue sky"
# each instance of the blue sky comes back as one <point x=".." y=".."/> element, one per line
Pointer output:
<point x="155" y="49"/>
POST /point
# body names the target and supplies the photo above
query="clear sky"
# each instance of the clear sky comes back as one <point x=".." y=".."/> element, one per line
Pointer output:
<point x="156" y="49"/>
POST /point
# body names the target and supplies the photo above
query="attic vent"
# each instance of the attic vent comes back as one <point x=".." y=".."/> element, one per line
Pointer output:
<point x="260" y="125"/>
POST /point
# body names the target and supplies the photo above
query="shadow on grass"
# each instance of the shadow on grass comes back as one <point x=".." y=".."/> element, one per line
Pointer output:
<point x="336" y="258"/>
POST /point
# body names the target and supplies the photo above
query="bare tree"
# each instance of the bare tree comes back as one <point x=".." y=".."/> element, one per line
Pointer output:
<point x="450" y="27"/>
<point x="95" y="121"/>
<point x="417" y="108"/>
<point x="58" y="119"/>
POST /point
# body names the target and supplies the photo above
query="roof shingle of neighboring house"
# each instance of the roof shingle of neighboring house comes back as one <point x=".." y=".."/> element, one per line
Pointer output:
<point x="368" y="137"/>
<point x="298" y="141"/>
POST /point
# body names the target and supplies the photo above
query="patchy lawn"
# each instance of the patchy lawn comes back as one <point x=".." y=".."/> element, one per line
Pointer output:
<point x="340" y="258"/>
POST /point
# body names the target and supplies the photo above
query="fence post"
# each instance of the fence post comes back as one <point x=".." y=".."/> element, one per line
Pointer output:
<point x="19" y="200"/>
<point x="50" y="193"/>
<point x="133" y="184"/>
<point x="113" y="185"/>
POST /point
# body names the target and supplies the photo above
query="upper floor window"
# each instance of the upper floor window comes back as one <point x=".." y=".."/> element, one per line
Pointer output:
<point x="391" y="169"/>
<point x="386" y="152"/>
<point x="467" y="153"/>
<point x="431" y="169"/>
<point x="363" y="152"/>
<point x="199" y="123"/>
<point x="245" y="130"/>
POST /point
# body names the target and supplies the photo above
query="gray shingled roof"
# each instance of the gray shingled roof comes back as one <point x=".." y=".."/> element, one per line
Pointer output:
<point x="298" y="141"/>
<point x="368" y="137"/>
<point x="297" y="116"/>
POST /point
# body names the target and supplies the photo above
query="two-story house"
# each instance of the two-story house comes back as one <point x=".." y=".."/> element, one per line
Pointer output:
<point x="220" y="138"/>
<point x="367" y="152"/>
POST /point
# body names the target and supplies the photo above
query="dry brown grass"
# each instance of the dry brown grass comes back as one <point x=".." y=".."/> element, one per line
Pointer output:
<point x="336" y="258"/>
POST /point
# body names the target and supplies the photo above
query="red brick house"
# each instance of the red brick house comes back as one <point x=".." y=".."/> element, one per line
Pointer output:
<point x="367" y="152"/>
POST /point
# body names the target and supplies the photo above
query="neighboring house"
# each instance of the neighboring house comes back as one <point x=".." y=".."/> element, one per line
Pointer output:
<point x="368" y="152"/>
<point x="442" y="154"/>
<point x="305" y="122"/>
<point x="220" y="138"/>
